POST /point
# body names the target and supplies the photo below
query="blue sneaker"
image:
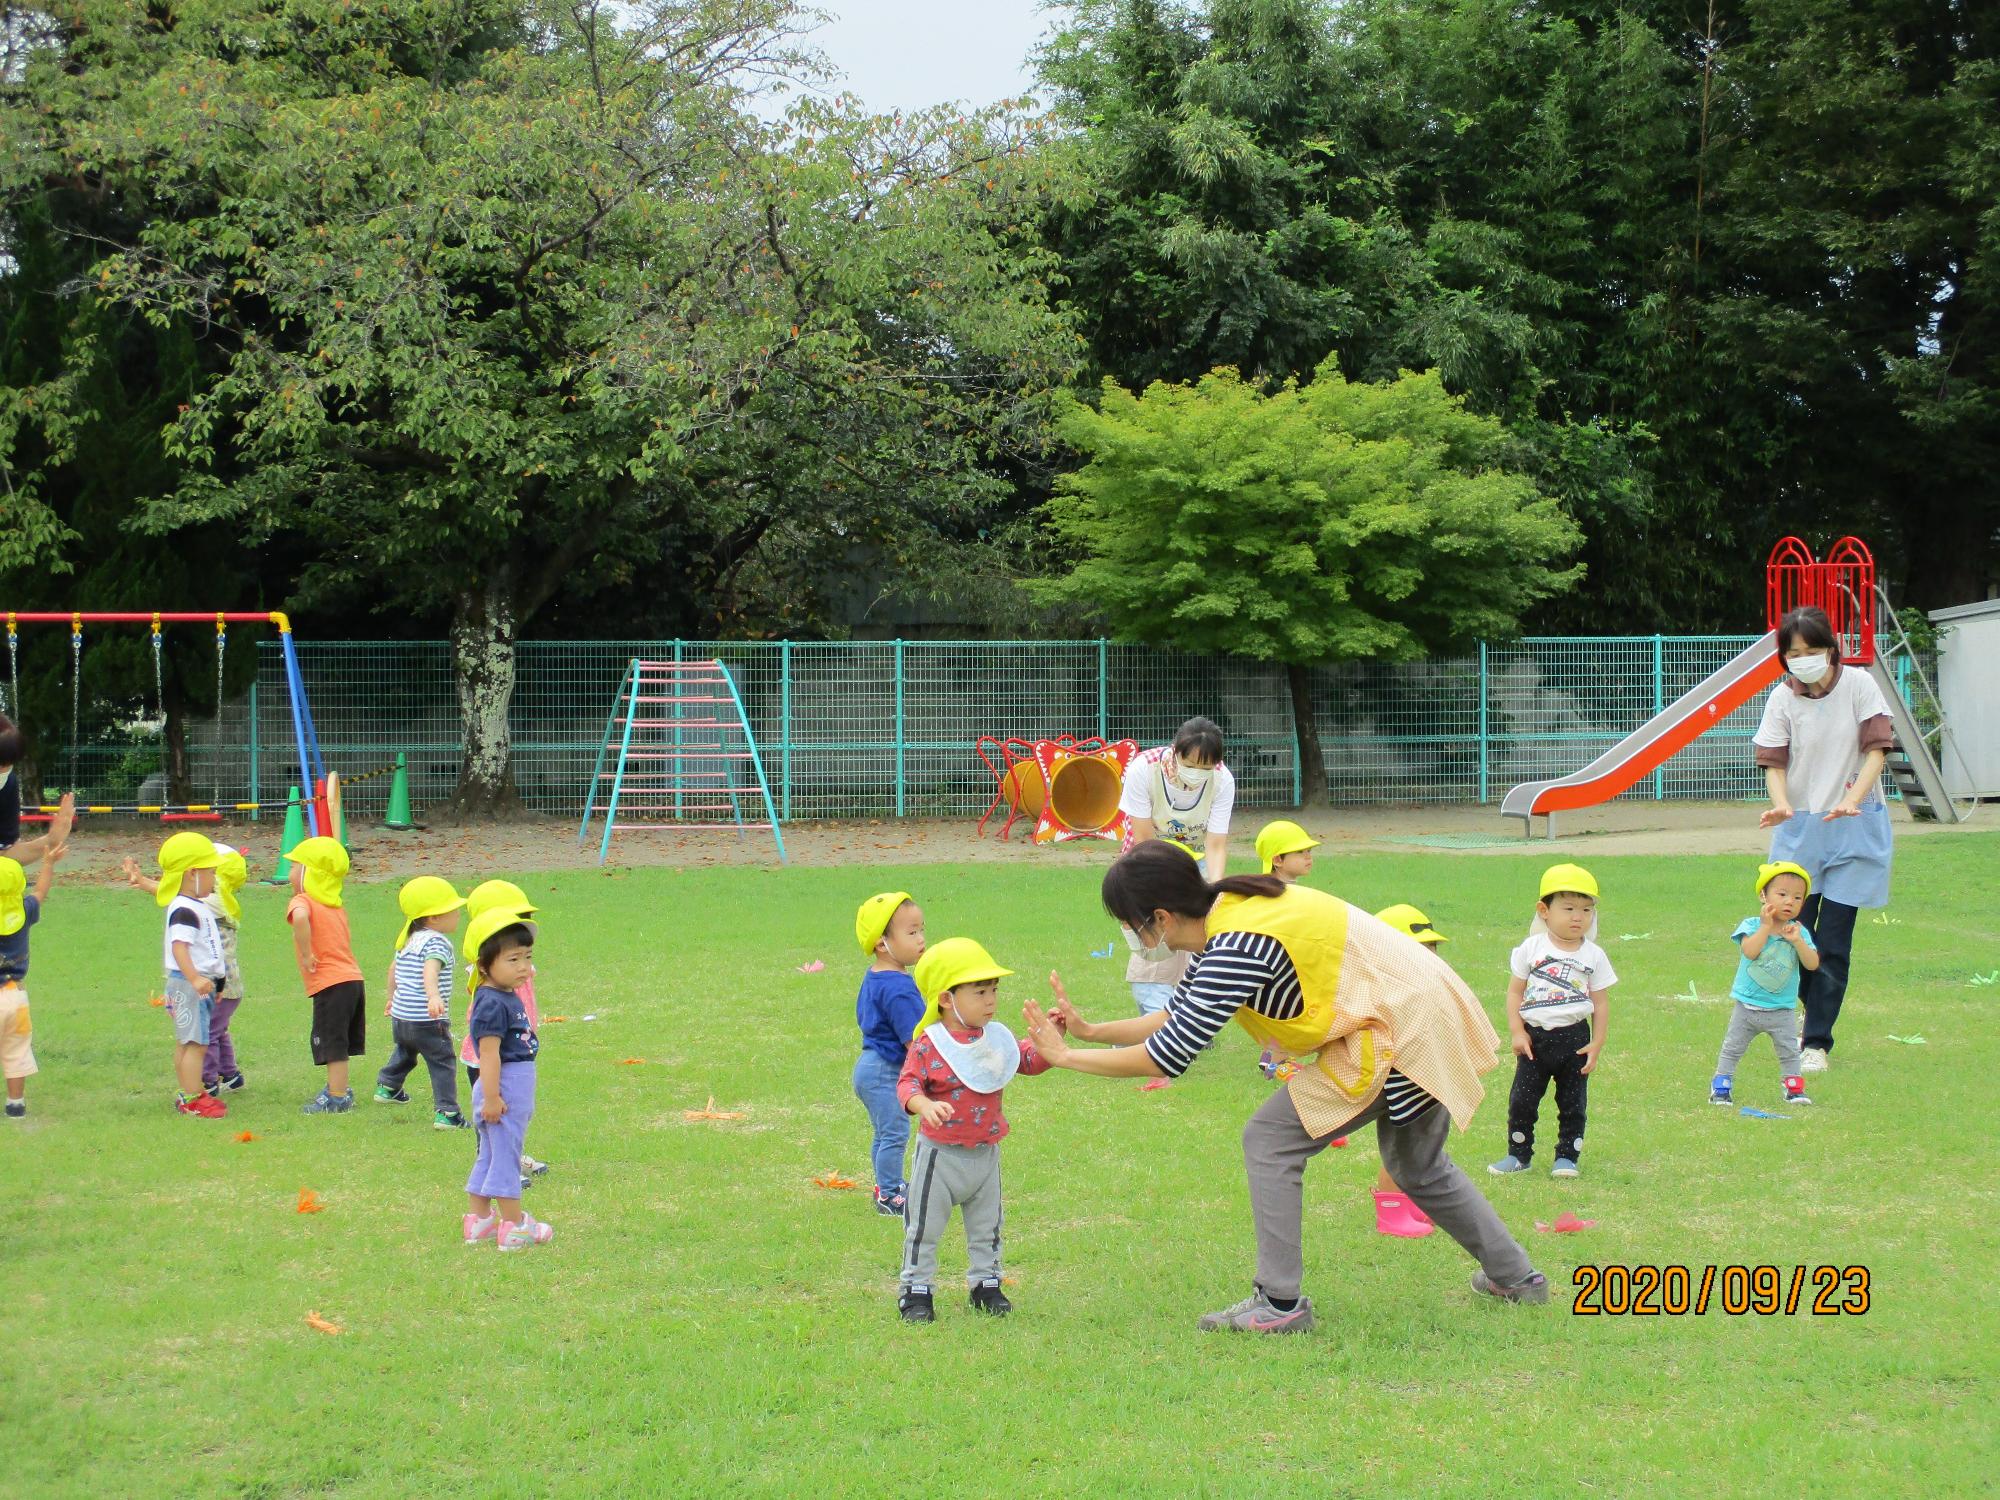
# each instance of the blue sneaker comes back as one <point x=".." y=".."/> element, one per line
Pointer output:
<point x="1564" y="1167"/>
<point x="1718" y="1089"/>
<point x="1507" y="1166"/>
<point x="324" y="1103"/>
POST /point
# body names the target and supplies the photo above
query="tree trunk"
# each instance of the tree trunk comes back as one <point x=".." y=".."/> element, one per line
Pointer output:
<point x="1312" y="765"/>
<point x="180" y="784"/>
<point x="482" y="648"/>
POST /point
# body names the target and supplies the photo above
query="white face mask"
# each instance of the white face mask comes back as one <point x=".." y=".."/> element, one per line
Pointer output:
<point x="1154" y="953"/>
<point x="1192" y="778"/>
<point x="1808" y="669"/>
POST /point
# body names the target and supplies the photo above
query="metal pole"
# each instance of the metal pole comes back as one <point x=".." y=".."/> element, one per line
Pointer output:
<point x="1659" y="703"/>
<point x="1298" y="755"/>
<point x="296" y="691"/>
<point x="1103" y="691"/>
<point x="624" y="751"/>
<point x="899" y="727"/>
<point x="1485" y="746"/>
<point x="680" y="764"/>
<point x="256" y="814"/>
<point x="785" y="720"/>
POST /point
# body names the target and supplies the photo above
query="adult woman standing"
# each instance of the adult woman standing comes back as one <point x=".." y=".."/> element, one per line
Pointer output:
<point x="1824" y="736"/>
<point x="1182" y="793"/>
<point x="1383" y="1032"/>
<point x="13" y="745"/>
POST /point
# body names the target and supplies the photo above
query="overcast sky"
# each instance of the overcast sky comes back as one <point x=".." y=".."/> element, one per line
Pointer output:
<point x="905" y="54"/>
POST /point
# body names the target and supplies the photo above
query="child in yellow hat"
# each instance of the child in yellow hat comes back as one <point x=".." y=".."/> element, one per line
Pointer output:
<point x="1775" y="947"/>
<point x="953" y="1080"/>
<point x="502" y="946"/>
<point x="19" y="912"/>
<point x="890" y="929"/>
<point x="196" y="966"/>
<point x="419" y="1015"/>
<point x="1395" y="1213"/>
<point x="1556" y="1005"/>
<point x="219" y="1070"/>
<point x="1285" y="850"/>
<point x="325" y="950"/>
<point x="499" y="895"/>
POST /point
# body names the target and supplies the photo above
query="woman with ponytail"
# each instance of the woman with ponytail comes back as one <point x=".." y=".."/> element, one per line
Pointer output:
<point x="1376" y="1030"/>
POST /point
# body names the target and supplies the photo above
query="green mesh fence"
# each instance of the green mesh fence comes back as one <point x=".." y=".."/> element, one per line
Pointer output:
<point x="886" y="728"/>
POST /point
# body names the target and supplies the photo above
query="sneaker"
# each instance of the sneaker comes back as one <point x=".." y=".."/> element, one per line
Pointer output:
<point x="1718" y="1089"/>
<point x="478" y="1231"/>
<point x="212" y="1088"/>
<point x="891" y="1203"/>
<point x="1397" y="1215"/>
<point x="1507" y="1166"/>
<point x="450" y="1119"/>
<point x="524" y="1235"/>
<point x="183" y="1105"/>
<point x="202" y="1106"/>
<point x="1255" y="1314"/>
<point x="324" y="1103"/>
<point x="1534" y="1290"/>
<point x="916" y="1307"/>
<point x="988" y="1298"/>
<point x="386" y="1095"/>
<point x="1795" y="1091"/>
<point x="17" y="1109"/>
<point x="232" y="1081"/>
<point x="1813" y="1060"/>
<point x="532" y="1167"/>
<point x="1564" y="1167"/>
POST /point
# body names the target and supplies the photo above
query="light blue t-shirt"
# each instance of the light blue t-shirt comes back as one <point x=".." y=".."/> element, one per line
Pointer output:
<point x="1770" y="981"/>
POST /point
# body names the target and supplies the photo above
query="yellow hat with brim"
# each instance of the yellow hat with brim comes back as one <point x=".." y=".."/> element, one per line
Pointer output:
<point x="1765" y="875"/>
<point x="325" y="863"/>
<point x="1407" y="919"/>
<point x="872" y="920"/>
<point x="229" y="877"/>
<point x="1282" y="837"/>
<point x="1568" y="878"/>
<point x="946" y="966"/>
<point x="426" y="896"/>
<point x="13" y="886"/>
<point x="180" y="853"/>
<point x="491" y="894"/>
<point x="480" y="928"/>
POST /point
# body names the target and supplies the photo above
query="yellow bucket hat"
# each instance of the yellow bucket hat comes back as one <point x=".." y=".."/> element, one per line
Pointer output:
<point x="480" y="928"/>
<point x="1407" y="919"/>
<point x="947" y="965"/>
<point x="13" y="885"/>
<point x="491" y="894"/>
<point x="182" y="852"/>
<point x="426" y="896"/>
<point x="325" y="864"/>
<point x="1282" y="837"/>
<point x="1765" y="875"/>
<point x="1568" y="878"/>
<point x="872" y="920"/>
<point x="229" y="878"/>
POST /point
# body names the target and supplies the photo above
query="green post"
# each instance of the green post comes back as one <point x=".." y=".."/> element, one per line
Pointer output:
<point x="785" y="721"/>
<point x="1298" y="754"/>
<point x="1485" y="756"/>
<point x="1659" y="702"/>
<point x="1103" y="691"/>
<point x="900" y="745"/>
<point x="257" y="812"/>
<point x="680" y="764"/>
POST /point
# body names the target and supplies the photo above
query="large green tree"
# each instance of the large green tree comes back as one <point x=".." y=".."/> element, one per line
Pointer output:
<point x="1331" y="521"/>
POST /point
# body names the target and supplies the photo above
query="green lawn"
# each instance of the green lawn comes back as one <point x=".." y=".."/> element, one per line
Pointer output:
<point x="709" y="1323"/>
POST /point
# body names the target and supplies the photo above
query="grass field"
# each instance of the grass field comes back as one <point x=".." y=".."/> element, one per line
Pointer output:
<point x="709" y="1323"/>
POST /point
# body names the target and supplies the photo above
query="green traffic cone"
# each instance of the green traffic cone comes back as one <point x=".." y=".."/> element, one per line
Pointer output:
<point x="294" y="834"/>
<point x="398" y="816"/>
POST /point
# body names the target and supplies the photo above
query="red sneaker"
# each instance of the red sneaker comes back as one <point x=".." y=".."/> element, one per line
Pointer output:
<point x="209" y="1108"/>
<point x="189" y="1106"/>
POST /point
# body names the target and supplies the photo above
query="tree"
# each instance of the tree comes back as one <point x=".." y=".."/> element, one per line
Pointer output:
<point x="1327" y="522"/>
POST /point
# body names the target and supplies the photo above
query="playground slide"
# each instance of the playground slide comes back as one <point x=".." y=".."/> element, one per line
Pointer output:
<point x="1653" y="743"/>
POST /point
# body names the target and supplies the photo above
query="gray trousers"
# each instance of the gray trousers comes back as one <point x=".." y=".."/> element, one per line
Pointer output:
<point x="1276" y="1149"/>
<point x="941" y="1178"/>
<point x="1746" y="1024"/>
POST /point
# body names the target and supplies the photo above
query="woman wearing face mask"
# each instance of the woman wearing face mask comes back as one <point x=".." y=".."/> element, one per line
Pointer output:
<point x="1376" y="1029"/>
<point x="1822" y="742"/>
<point x="12" y="746"/>
<point x="1182" y="793"/>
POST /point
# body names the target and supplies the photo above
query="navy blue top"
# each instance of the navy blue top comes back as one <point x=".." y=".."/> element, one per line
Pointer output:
<point x="887" y="1011"/>
<point x="14" y="946"/>
<point x="502" y="1013"/>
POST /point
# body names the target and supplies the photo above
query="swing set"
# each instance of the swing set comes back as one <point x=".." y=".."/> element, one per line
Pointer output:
<point x="314" y="768"/>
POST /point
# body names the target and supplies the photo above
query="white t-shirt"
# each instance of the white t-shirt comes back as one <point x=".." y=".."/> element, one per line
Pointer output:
<point x="1559" y="981"/>
<point x="1137" y="798"/>
<point x="1824" y="737"/>
<point x="193" y="922"/>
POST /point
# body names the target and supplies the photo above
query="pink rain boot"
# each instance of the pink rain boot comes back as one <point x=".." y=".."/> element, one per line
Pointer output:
<point x="1397" y="1215"/>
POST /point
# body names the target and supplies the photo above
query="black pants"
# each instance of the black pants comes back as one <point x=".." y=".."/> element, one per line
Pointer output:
<point x="1832" y="925"/>
<point x="428" y="1042"/>
<point x="1558" y="1056"/>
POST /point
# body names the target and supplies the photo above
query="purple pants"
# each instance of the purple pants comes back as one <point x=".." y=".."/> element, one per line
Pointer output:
<point x="496" y="1170"/>
<point x="221" y="1059"/>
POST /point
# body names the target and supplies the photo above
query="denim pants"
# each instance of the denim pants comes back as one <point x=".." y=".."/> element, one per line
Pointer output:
<point x="875" y="1087"/>
<point x="428" y="1042"/>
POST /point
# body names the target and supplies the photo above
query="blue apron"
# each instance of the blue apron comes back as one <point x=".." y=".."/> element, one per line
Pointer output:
<point x="1848" y="858"/>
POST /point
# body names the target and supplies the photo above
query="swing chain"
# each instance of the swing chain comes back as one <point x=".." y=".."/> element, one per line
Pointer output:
<point x="14" y="662"/>
<point x="221" y="647"/>
<point x="159" y="682"/>
<point x="75" y="696"/>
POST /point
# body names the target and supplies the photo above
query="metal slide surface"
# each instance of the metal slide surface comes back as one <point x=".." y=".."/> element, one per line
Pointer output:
<point x="1653" y="743"/>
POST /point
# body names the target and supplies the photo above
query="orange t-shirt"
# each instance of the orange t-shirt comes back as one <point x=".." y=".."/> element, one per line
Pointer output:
<point x="331" y="945"/>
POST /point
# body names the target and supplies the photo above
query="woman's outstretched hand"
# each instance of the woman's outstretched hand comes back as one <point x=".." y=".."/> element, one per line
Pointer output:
<point x="1065" y="1016"/>
<point x="1846" y="809"/>
<point x="1773" y="816"/>
<point x="1045" y="1034"/>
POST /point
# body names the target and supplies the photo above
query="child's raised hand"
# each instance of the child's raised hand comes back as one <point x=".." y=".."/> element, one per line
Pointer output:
<point x="492" y="1107"/>
<point x="134" y="875"/>
<point x="934" y="1112"/>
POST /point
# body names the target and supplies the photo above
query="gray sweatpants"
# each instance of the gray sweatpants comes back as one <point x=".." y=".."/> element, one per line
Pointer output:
<point x="1276" y="1149"/>
<point x="941" y="1178"/>
<point x="1746" y="1023"/>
